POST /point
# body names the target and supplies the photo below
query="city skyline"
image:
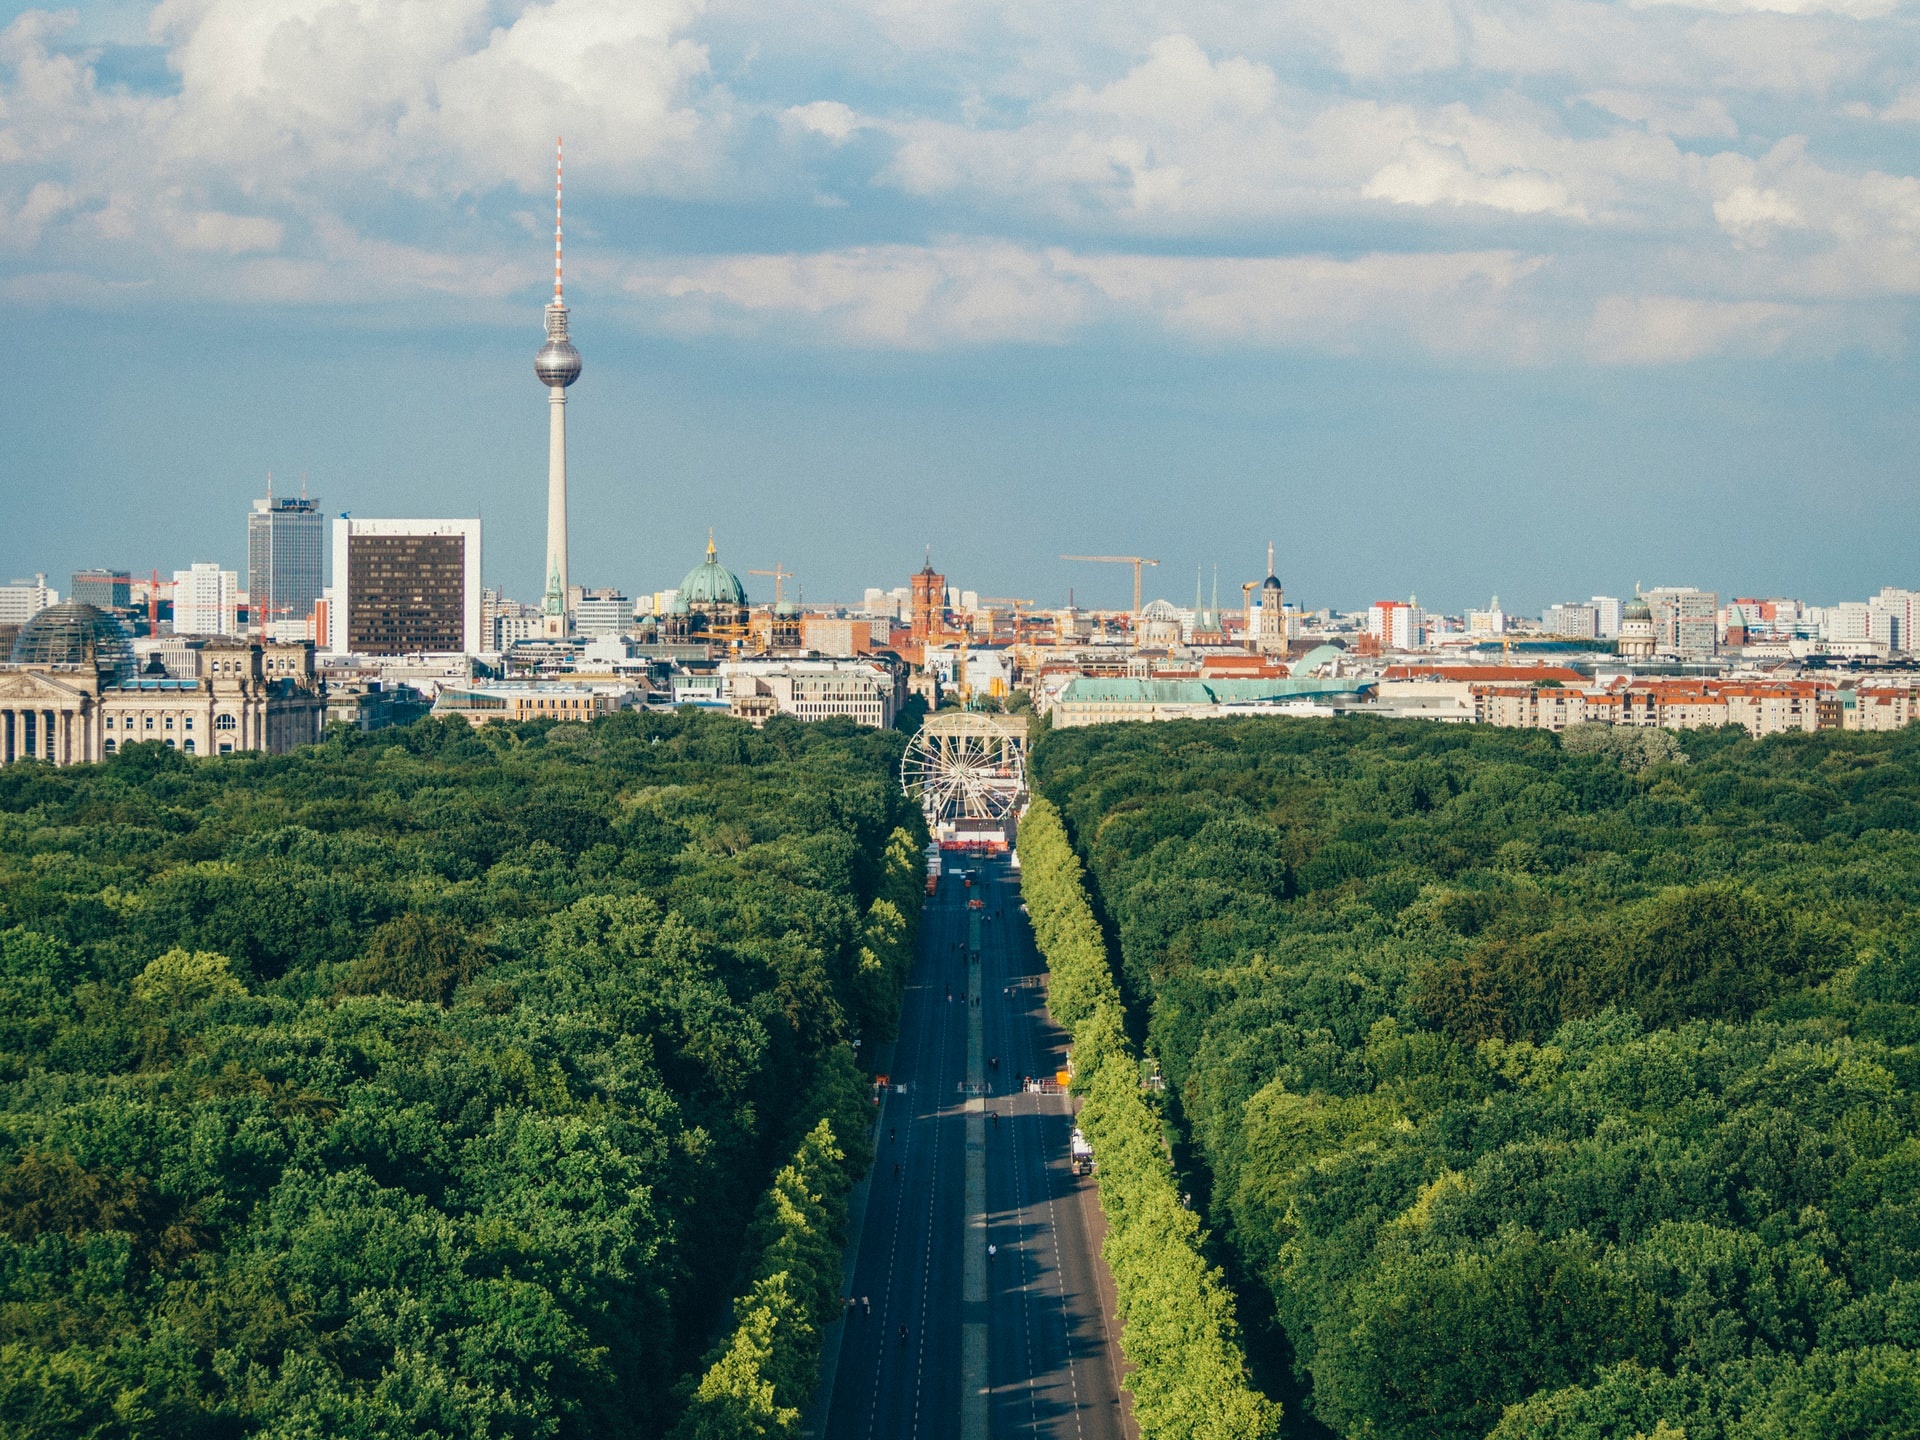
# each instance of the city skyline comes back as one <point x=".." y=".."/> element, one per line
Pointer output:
<point x="1594" y="319"/>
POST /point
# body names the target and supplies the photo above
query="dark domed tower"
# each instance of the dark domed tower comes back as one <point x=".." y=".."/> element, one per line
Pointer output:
<point x="1636" y="641"/>
<point x="1272" y="639"/>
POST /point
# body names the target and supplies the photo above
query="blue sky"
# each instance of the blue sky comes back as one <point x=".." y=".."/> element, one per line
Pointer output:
<point x="1446" y="297"/>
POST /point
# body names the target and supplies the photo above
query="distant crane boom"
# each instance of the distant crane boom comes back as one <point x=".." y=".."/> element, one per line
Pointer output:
<point x="1137" y="561"/>
<point x="779" y="575"/>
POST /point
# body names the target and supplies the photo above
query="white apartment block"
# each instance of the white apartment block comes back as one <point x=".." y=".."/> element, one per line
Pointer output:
<point x="1571" y="622"/>
<point x="602" y="612"/>
<point x="1397" y="624"/>
<point x="1686" y="621"/>
<point x="21" y="600"/>
<point x="205" y="600"/>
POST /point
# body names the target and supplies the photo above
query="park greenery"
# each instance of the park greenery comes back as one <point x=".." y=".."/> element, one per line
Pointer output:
<point x="1187" y="1370"/>
<point x="1540" y="1090"/>
<point x="439" y="1082"/>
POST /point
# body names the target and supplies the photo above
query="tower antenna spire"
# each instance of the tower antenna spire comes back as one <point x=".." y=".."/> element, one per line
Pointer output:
<point x="557" y="366"/>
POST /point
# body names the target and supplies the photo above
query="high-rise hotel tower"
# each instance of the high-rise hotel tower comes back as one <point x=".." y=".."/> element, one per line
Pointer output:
<point x="558" y="366"/>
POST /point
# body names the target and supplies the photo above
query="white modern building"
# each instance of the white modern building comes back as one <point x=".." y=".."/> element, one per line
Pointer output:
<point x="602" y="612"/>
<point x="206" y="600"/>
<point x="1686" y="621"/>
<point x="514" y="701"/>
<point x="811" y="690"/>
<point x="1576" y="621"/>
<point x="405" y="587"/>
<point x="21" y="600"/>
<point x="1398" y="624"/>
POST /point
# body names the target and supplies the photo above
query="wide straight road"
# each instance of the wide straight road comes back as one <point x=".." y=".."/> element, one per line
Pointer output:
<point x="1049" y="1368"/>
<point x="899" y="1371"/>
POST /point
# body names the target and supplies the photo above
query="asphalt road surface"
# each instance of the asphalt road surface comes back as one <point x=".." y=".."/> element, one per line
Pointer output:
<point x="1050" y="1369"/>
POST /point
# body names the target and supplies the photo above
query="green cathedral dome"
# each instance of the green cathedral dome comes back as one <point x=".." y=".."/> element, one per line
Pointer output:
<point x="710" y="583"/>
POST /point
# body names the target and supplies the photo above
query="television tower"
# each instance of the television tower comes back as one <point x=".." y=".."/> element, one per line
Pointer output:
<point x="558" y="366"/>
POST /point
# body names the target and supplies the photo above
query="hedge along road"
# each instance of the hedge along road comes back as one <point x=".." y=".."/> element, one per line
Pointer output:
<point x="1051" y="1371"/>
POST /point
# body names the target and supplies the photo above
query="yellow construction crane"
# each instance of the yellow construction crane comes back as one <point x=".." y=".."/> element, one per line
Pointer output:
<point x="778" y="575"/>
<point x="1134" y="560"/>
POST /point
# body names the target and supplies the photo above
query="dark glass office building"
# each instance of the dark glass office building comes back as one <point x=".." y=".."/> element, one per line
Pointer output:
<point x="286" y="545"/>
<point x="107" y="589"/>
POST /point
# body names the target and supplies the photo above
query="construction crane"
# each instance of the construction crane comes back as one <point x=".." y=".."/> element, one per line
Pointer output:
<point x="778" y="575"/>
<point x="1134" y="560"/>
<point x="1019" y="620"/>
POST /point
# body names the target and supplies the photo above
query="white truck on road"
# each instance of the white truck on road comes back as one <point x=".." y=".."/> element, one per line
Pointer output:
<point x="1080" y="1153"/>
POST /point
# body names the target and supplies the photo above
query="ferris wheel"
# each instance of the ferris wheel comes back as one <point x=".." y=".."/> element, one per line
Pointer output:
<point x="967" y="766"/>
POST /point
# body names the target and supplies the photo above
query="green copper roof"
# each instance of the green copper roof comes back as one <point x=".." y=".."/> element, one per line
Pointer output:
<point x="1120" y="691"/>
<point x="711" y="583"/>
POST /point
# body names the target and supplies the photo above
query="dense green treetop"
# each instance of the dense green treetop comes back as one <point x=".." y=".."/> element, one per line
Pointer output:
<point x="1563" y="1090"/>
<point x="421" y="1083"/>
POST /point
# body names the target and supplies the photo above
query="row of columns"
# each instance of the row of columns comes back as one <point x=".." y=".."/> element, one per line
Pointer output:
<point x="35" y="733"/>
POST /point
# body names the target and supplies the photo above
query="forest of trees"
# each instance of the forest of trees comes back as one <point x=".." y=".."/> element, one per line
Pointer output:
<point x="439" y="1082"/>
<point x="1540" y="1090"/>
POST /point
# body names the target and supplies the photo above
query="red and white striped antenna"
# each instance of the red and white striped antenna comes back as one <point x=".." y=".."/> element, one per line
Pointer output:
<point x="557" y="142"/>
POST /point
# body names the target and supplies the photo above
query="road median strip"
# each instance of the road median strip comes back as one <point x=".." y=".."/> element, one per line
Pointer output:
<point x="1188" y="1378"/>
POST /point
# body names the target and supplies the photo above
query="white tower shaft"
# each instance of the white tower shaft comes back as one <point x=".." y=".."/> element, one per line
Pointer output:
<point x="558" y="365"/>
<point x="556" y="505"/>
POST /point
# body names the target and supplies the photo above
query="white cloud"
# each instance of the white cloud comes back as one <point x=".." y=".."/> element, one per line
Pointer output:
<point x="1706" y="117"/>
<point x="975" y="293"/>
<point x="219" y="233"/>
<point x="20" y="226"/>
<point x="830" y="118"/>
<point x="1853" y="9"/>
<point x="1429" y="173"/>
<point x="1486" y="171"/>
<point x="1904" y="109"/>
<point x="1751" y="214"/>
<point x="1670" y="329"/>
<point x="1179" y="86"/>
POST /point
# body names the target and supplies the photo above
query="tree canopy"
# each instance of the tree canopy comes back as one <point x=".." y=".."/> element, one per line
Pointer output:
<point x="1534" y="1089"/>
<point x="428" y="1083"/>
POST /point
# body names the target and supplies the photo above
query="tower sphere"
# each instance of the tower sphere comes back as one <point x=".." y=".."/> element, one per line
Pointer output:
<point x="558" y="363"/>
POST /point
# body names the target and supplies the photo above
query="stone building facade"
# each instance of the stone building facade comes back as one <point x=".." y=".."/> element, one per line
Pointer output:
<point x="70" y="695"/>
